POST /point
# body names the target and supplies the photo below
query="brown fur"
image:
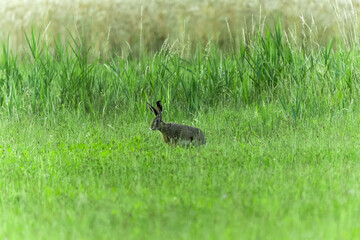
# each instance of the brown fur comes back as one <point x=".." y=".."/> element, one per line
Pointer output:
<point x="176" y="133"/>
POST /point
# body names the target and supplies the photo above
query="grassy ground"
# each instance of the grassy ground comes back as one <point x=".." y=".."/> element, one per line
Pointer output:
<point x="78" y="160"/>
<point x="258" y="178"/>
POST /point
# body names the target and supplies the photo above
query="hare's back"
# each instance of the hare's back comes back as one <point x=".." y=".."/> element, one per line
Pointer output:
<point x="186" y="131"/>
<point x="183" y="133"/>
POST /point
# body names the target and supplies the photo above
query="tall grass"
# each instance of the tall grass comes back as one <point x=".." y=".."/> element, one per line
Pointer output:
<point x="129" y="27"/>
<point x="267" y="67"/>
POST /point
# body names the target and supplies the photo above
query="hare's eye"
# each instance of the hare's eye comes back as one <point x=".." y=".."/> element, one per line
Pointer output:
<point x="157" y="120"/>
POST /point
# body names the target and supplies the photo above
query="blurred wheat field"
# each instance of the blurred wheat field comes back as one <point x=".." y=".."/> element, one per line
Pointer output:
<point x="129" y="27"/>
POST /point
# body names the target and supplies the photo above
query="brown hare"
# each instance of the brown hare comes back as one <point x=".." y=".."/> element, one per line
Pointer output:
<point x="173" y="132"/>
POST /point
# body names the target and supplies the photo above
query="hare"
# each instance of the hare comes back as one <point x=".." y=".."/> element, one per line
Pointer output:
<point x="175" y="133"/>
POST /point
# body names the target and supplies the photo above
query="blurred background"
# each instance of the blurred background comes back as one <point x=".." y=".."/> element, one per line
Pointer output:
<point x="130" y="27"/>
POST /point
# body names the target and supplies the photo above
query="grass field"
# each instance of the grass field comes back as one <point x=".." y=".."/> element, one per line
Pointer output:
<point x="258" y="178"/>
<point x="280" y="113"/>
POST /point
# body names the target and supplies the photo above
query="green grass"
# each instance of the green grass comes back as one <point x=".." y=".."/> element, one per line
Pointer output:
<point x="78" y="160"/>
<point x="87" y="180"/>
<point x="266" y="68"/>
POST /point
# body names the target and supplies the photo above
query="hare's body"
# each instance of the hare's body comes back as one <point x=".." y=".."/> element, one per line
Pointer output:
<point x="176" y="133"/>
<point x="182" y="134"/>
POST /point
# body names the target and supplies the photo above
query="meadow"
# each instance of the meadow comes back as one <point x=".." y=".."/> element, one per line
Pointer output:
<point x="278" y="105"/>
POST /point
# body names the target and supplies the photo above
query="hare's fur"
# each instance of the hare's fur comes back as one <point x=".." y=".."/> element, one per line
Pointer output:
<point x="176" y="133"/>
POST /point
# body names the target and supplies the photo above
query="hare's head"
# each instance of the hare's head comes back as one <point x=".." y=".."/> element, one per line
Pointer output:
<point x="157" y="122"/>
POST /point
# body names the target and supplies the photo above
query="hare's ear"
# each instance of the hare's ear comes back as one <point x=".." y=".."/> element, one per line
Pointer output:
<point x="152" y="109"/>
<point x="158" y="104"/>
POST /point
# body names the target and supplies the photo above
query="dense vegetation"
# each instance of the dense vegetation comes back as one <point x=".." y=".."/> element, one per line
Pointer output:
<point x="305" y="81"/>
<point x="281" y="120"/>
